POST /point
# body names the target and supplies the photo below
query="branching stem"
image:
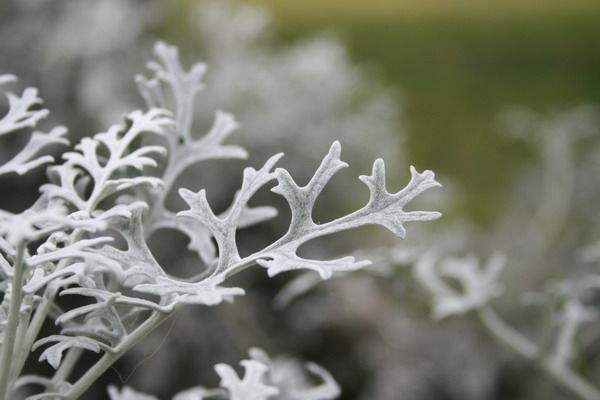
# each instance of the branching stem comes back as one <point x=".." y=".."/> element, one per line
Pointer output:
<point x="33" y="329"/>
<point x="108" y="359"/>
<point x="67" y="366"/>
<point x="514" y="340"/>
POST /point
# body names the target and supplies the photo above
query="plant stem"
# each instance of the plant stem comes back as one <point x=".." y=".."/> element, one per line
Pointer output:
<point x="108" y="359"/>
<point x="39" y="316"/>
<point x="514" y="340"/>
<point x="66" y="366"/>
<point x="19" y="345"/>
<point x="16" y="295"/>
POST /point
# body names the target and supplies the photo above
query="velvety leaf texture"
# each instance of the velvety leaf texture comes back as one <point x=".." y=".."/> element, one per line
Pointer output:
<point x="86" y="237"/>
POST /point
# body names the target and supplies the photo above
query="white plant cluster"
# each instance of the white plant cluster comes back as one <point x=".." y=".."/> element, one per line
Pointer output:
<point x="24" y="112"/>
<point x="478" y="285"/>
<point x="264" y="378"/>
<point x="109" y="187"/>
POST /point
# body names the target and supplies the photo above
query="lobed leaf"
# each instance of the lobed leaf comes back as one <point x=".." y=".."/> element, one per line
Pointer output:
<point x="53" y="354"/>
<point x="251" y="386"/>
<point x="383" y="208"/>
<point x="478" y="284"/>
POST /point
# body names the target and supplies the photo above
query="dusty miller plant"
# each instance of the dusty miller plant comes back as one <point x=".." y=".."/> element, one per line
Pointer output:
<point x="107" y="189"/>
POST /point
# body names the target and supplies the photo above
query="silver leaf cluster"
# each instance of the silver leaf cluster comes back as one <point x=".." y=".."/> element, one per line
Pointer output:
<point x="93" y="218"/>
<point x="281" y="378"/>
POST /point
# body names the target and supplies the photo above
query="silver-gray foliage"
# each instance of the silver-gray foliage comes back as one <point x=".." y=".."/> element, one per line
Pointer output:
<point x="264" y="378"/>
<point x="109" y="189"/>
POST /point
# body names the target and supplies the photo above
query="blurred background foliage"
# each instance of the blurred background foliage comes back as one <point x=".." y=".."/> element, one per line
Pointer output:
<point x="456" y="64"/>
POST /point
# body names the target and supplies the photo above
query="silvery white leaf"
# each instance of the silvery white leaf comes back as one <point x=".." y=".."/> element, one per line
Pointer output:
<point x="251" y="386"/>
<point x="206" y="292"/>
<point x="53" y="354"/>
<point x="284" y="259"/>
<point x="210" y="146"/>
<point x="302" y="199"/>
<point x="19" y="113"/>
<point x="290" y="376"/>
<point x="185" y="151"/>
<point x="201" y="237"/>
<point x="479" y="284"/>
<point x="327" y="390"/>
<point x="79" y="249"/>
<point x="573" y="316"/>
<point x="387" y="209"/>
<point x="104" y="299"/>
<point x="7" y="78"/>
<point x="197" y="393"/>
<point x="86" y="162"/>
<point x="36" y="223"/>
<point x="383" y="208"/>
<point x="99" y="321"/>
<point x="41" y="279"/>
<point x="224" y="228"/>
<point x="128" y="394"/>
<point x="184" y="84"/>
<point x="26" y="159"/>
<point x="138" y="263"/>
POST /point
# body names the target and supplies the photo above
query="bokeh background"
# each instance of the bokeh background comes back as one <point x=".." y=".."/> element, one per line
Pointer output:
<point x="456" y="64"/>
<point x="497" y="97"/>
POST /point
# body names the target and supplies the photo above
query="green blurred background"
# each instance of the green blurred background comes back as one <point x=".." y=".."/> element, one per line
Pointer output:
<point x="456" y="64"/>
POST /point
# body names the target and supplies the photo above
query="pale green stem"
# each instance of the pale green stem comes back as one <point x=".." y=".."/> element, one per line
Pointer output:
<point x="19" y="345"/>
<point x="514" y="340"/>
<point x="66" y="367"/>
<point x="33" y="330"/>
<point x="108" y="359"/>
<point x="8" y="343"/>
